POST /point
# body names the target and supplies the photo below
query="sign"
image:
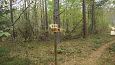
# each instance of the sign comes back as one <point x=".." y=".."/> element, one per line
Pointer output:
<point x="112" y="32"/>
<point x="54" y="28"/>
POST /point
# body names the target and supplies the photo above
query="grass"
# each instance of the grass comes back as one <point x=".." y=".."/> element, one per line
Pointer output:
<point x="42" y="53"/>
<point x="6" y="59"/>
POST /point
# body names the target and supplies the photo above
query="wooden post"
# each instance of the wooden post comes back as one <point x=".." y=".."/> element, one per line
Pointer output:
<point x="55" y="28"/>
<point x="55" y="47"/>
<point x="56" y="21"/>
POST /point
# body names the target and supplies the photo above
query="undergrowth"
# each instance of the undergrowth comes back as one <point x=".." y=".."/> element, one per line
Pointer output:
<point x="6" y="59"/>
<point x="42" y="53"/>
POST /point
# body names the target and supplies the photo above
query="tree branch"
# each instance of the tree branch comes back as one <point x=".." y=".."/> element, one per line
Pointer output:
<point x="65" y="9"/>
<point x="21" y="14"/>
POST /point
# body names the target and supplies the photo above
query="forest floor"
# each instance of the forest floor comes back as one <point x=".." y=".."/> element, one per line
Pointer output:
<point x="93" y="58"/>
<point x="94" y="50"/>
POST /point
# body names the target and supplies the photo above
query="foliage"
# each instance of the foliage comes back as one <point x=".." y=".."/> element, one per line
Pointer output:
<point x="6" y="34"/>
<point x="32" y="20"/>
<point x="101" y="2"/>
<point x="4" y="20"/>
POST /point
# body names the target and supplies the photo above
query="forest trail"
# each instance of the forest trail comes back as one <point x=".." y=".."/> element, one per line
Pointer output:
<point x="93" y="58"/>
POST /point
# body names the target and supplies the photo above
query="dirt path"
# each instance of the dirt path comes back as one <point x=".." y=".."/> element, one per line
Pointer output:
<point x="93" y="58"/>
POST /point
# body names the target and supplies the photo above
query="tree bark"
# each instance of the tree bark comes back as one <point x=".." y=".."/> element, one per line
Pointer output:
<point x="93" y="24"/>
<point x="46" y="16"/>
<point x="57" y="18"/>
<point x="56" y="21"/>
<point x="84" y="18"/>
<point x="46" y="21"/>
<point x="42" y="15"/>
<point x="12" y="20"/>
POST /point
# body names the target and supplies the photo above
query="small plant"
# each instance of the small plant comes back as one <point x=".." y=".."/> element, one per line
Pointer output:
<point x="3" y="35"/>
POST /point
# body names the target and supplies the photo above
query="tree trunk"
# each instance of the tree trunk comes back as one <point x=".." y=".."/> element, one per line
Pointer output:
<point x="46" y="17"/>
<point x="28" y="29"/>
<point x="56" y="21"/>
<point x="42" y="15"/>
<point x="57" y="17"/>
<point x="12" y="19"/>
<point x="84" y="18"/>
<point x="46" y="21"/>
<point x="93" y="17"/>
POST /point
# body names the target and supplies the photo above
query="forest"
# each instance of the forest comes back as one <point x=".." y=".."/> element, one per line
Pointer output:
<point x="57" y="32"/>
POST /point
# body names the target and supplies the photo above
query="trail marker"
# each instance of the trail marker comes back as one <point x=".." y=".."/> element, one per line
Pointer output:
<point x="112" y="31"/>
<point x="55" y="28"/>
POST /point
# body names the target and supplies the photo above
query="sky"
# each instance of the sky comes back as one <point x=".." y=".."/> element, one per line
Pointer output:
<point x="19" y="2"/>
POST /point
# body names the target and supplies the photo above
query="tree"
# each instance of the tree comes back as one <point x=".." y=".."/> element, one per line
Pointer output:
<point x="56" y="21"/>
<point x="12" y="19"/>
<point x="42" y="15"/>
<point x="93" y="23"/>
<point x="46" y="21"/>
<point x="57" y="17"/>
<point x="101" y="2"/>
<point x="46" y="17"/>
<point x="84" y="18"/>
